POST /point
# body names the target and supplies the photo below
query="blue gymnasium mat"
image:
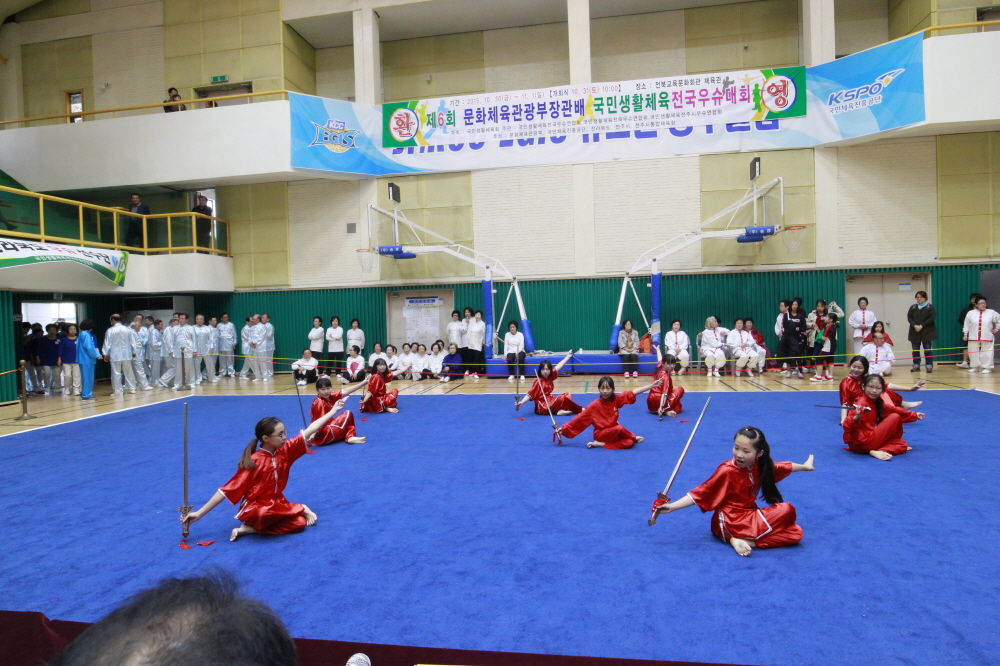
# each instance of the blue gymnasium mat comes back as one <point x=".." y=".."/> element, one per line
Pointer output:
<point x="458" y="525"/>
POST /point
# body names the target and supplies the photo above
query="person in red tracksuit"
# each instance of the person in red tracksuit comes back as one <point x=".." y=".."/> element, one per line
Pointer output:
<point x="541" y="391"/>
<point x="603" y="415"/>
<point x="672" y="405"/>
<point x="376" y="399"/>
<point x="732" y="491"/>
<point x="261" y="476"/>
<point x="876" y="427"/>
<point x="341" y="428"/>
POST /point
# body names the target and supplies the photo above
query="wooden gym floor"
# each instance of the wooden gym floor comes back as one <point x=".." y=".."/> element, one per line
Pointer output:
<point x="54" y="409"/>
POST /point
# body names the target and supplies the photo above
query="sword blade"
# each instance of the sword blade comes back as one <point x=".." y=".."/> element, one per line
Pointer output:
<point x="687" y="446"/>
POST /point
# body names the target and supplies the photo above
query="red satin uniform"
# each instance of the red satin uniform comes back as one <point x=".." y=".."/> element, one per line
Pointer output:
<point x="674" y="395"/>
<point x="337" y="429"/>
<point x="560" y="403"/>
<point x="260" y="491"/>
<point x="866" y="435"/>
<point x="603" y="415"/>
<point x="851" y="390"/>
<point x="731" y="492"/>
<point x="381" y="399"/>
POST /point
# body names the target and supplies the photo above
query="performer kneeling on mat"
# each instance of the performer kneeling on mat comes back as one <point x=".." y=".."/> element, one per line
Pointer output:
<point x="876" y="428"/>
<point x="541" y="390"/>
<point x="260" y="481"/>
<point x="341" y="428"/>
<point x="603" y="415"/>
<point x="851" y="388"/>
<point x="672" y="405"/>
<point x="732" y="491"/>
<point x="376" y="399"/>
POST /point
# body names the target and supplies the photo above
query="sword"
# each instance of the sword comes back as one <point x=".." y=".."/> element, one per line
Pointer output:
<point x="187" y="508"/>
<point x="677" y="468"/>
<point x="663" y="399"/>
<point x="549" y="407"/>
<point x="298" y="398"/>
<point x="852" y="407"/>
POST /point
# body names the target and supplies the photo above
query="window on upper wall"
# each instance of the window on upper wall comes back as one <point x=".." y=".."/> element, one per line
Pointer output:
<point x="74" y="104"/>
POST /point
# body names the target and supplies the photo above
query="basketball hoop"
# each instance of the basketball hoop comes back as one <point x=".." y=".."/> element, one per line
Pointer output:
<point x="793" y="236"/>
<point x="367" y="258"/>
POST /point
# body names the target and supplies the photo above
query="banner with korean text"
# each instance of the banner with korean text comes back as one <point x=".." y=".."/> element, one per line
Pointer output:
<point x="111" y="264"/>
<point x="860" y="95"/>
<point x="648" y="104"/>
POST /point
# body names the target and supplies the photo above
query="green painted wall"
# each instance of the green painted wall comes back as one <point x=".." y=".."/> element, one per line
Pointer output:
<point x="579" y="313"/>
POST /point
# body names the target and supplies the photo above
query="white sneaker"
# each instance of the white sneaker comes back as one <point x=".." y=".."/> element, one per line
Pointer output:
<point x="817" y="378"/>
<point x="737" y="373"/>
<point x="963" y="364"/>
<point x="147" y="387"/>
<point x="635" y="374"/>
<point x="972" y="369"/>
<point x="510" y="378"/>
<point x="475" y="375"/>
<point x="302" y="382"/>
<point x="340" y="378"/>
<point x="986" y="371"/>
<point x="749" y="373"/>
<point x="522" y="378"/>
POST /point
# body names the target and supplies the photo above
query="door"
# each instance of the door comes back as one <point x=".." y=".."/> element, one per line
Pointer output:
<point x="890" y="296"/>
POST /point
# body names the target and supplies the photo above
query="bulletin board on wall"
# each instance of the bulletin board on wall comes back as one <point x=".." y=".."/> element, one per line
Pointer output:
<point x="418" y="316"/>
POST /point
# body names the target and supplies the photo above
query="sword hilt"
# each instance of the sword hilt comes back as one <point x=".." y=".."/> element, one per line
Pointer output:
<point x="652" y="518"/>
<point x="185" y="510"/>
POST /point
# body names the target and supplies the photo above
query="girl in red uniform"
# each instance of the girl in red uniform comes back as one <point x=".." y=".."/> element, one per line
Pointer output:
<point x="876" y="427"/>
<point x="260" y="481"/>
<point x="341" y="428"/>
<point x="562" y="405"/>
<point x="376" y="399"/>
<point x="851" y="388"/>
<point x="732" y="491"/>
<point x="603" y="415"/>
<point x="672" y="405"/>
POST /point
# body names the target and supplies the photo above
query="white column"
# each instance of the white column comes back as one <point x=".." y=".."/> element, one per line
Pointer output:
<point x="819" y="43"/>
<point x="584" y="235"/>
<point x="578" y="12"/>
<point x="11" y="90"/>
<point x="367" y="57"/>
<point x="827" y="226"/>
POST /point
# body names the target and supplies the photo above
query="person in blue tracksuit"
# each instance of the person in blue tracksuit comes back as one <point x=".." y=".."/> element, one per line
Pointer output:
<point x="86" y="356"/>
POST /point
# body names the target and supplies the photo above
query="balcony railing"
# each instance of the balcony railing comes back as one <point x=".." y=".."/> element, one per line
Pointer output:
<point x="190" y="104"/>
<point x="45" y="218"/>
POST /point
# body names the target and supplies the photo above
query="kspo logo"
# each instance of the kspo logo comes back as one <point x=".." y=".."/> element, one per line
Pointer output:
<point x="866" y="91"/>
<point x="403" y="124"/>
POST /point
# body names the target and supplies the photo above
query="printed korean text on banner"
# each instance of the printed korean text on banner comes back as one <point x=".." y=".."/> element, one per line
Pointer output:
<point x="863" y="94"/>
<point x="109" y="263"/>
<point x="648" y="104"/>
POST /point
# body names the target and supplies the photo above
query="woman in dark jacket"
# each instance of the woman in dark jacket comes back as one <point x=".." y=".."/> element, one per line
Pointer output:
<point x="923" y="330"/>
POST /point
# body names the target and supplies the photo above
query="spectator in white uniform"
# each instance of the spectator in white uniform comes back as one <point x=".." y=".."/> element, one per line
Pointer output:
<point x="139" y="359"/>
<point x="356" y="337"/>
<point x="334" y="348"/>
<point x="745" y="350"/>
<point x="247" y="348"/>
<point x="513" y="347"/>
<point x="474" y="338"/>
<point x="203" y="350"/>
<point x="377" y="353"/>
<point x="879" y="355"/>
<point x="119" y="350"/>
<point x="266" y="347"/>
<point x="456" y="332"/>
<point x="154" y="355"/>
<point x="980" y="329"/>
<point x="392" y="358"/>
<point x="183" y="353"/>
<point x="167" y="354"/>
<point x="304" y="369"/>
<point x="861" y="320"/>
<point x="316" y="335"/>
<point x="677" y="344"/>
<point x="227" y="342"/>
<point x="712" y="340"/>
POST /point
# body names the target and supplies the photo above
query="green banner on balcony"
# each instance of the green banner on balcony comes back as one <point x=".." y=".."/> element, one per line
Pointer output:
<point x="110" y="264"/>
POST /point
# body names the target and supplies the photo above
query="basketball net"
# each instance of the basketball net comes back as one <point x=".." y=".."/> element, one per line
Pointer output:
<point x="367" y="258"/>
<point x="792" y="237"/>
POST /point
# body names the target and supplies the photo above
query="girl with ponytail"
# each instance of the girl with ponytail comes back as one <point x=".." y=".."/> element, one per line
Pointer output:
<point x="732" y="492"/>
<point x="259" y="483"/>
<point x="875" y="425"/>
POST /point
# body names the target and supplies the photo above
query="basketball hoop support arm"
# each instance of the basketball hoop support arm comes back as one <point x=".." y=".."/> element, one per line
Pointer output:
<point x="491" y="265"/>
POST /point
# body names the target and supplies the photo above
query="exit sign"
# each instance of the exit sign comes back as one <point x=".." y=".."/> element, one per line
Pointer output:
<point x="220" y="79"/>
